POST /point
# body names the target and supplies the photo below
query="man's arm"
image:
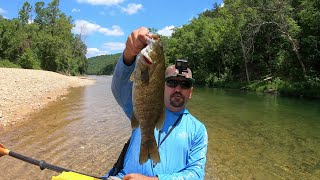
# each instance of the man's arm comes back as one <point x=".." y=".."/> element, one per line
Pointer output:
<point x="121" y="86"/>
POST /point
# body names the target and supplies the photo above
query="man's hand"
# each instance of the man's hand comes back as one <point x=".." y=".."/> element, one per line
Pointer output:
<point x="138" y="177"/>
<point x="136" y="41"/>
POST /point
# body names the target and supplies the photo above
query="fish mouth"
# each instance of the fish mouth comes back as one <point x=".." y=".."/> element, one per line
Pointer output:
<point x="146" y="52"/>
<point x="147" y="60"/>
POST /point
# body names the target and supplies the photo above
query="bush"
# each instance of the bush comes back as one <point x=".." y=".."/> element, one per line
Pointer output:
<point x="307" y="88"/>
<point x="29" y="60"/>
<point x="6" y="63"/>
<point x="212" y="79"/>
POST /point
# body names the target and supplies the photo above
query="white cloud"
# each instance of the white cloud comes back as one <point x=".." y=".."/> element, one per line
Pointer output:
<point x="91" y="52"/>
<point x="101" y="2"/>
<point x="74" y="10"/>
<point x="84" y="27"/>
<point x="107" y="48"/>
<point x="2" y="11"/>
<point x="114" y="31"/>
<point x="114" y="46"/>
<point x="131" y="8"/>
<point x="166" y="31"/>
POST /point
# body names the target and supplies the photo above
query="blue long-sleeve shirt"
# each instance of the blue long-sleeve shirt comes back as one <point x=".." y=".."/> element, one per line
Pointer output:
<point x="182" y="154"/>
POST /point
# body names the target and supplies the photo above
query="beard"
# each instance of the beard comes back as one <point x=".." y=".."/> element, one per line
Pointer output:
<point x="177" y="100"/>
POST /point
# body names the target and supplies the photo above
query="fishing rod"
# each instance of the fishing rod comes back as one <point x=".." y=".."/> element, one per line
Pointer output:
<point x="41" y="163"/>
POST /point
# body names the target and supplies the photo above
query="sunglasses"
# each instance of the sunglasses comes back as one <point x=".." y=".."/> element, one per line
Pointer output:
<point x="184" y="84"/>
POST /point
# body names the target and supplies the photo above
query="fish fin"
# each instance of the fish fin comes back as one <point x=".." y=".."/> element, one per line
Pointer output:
<point x="149" y="149"/>
<point x="161" y="118"/>
<point x="132" y="76"/>
<point x="134" y="121"/>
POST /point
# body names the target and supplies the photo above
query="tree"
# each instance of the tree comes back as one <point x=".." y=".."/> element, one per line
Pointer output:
<point x="28" y="60"/>
<point x="41" y="15"/>
<point x="53" y="15"/>
<point x="309" y="19"/>
<point x="288" y="27"/>
<point x="247" y="23"/>
<point x="24" y="13"/>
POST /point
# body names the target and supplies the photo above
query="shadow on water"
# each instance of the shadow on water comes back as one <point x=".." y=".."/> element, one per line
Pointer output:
<point x="251" y="136"/>
<point x="84" y="131"/>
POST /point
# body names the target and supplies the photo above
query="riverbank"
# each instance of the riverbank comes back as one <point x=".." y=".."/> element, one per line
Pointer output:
<point x="308" y="88"/>
<point x="24" y="91"/>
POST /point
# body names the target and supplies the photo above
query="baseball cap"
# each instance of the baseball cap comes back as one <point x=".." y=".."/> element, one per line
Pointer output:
<point x="172" y="72"/>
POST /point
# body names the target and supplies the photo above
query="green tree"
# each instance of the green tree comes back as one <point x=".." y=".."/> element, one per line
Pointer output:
<point x="25" y="13"/>
<point x="309" y="18"/>
<point x="41" y="15"/>
<point x="28" y="60"/>
<point x="53" y="15"/>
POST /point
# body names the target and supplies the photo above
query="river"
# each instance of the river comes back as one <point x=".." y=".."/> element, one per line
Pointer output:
<point x="251" y="136"/>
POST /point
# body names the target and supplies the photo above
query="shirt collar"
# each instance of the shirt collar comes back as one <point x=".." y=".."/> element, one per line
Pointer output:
<point x="183" y="111"/>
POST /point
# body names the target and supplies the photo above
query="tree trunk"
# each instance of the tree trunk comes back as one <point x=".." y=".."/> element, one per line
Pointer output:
<point x="295" y="47"/>
<point x="245" y="57"/>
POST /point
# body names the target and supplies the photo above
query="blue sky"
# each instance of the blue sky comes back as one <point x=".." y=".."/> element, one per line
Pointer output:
<point x="106" y="24"/>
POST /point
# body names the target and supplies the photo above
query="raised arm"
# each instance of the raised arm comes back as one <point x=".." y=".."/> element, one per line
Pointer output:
<point x="121" y="86"/>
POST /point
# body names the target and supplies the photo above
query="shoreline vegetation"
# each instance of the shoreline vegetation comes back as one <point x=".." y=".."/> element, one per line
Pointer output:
<point x="25" y="91"/>
<point x="308" y="87"/>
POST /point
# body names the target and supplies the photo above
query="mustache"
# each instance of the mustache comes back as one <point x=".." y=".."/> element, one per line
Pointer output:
<point x="176" y="93"/>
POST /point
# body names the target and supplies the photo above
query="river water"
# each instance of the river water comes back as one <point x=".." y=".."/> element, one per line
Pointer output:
<point x="251" y="136"/>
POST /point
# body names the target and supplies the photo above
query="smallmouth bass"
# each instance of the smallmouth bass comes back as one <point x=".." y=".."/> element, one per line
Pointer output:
<point x="148" y="97"/>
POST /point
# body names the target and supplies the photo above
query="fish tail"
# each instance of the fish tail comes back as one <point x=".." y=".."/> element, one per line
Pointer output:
<point x="149" y="150"/>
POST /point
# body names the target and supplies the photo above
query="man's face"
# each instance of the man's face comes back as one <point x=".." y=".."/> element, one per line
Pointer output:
<point x="177" y="92"/>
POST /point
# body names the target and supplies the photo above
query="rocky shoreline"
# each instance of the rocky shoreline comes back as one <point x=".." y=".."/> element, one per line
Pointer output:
<point x="24" y="91"/>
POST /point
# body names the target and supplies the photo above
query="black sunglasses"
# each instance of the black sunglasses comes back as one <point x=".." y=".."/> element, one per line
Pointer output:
<point x="184" y="84"/>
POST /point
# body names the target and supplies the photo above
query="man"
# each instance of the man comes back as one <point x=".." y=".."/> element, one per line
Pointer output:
<point x="183" y="149"/>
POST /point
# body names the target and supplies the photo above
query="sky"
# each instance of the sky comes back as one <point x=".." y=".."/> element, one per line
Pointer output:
<point x="104" y="25"/>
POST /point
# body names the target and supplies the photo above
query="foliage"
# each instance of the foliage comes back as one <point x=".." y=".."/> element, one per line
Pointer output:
<point x="7" y="64"/>
<point x="308" y="88"/>
<point x="28" y="60"/>
<point x="45" y="42"/>
<point x="271" y="46"/>
<point x="102" y="65"/>
<point x="246" y="41"/>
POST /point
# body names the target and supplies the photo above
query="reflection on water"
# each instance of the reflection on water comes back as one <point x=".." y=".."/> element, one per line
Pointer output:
<point x="250" y="136"/>
<point x="259" y="136"/>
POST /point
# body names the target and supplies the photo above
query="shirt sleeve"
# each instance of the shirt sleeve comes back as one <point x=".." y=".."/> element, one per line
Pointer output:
<point x="195" y="168"/>
<point x="121" y="86"/>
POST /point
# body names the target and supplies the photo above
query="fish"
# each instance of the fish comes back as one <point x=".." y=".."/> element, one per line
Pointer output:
<point x="148" y="97"/>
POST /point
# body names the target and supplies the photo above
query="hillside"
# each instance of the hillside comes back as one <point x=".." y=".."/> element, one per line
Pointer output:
<point x="102" y="65"/>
